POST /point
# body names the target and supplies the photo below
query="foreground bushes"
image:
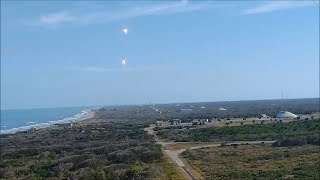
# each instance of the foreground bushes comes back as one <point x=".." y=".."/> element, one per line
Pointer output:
<point x="108" y="151"/>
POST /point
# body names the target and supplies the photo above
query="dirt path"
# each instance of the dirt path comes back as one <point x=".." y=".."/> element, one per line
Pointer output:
<point x="174" y="155"/>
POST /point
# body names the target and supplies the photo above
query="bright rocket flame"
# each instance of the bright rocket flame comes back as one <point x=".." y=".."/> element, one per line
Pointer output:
<point x="123" y="61"/>
<point x="125" y="30"/>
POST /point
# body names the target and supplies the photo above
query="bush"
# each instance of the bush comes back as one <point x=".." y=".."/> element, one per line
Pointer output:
<point x="289" y="142"/>
<point x="150" y="156"/>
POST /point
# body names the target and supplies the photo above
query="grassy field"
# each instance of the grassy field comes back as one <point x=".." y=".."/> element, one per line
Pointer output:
<point x="255" y="161"/>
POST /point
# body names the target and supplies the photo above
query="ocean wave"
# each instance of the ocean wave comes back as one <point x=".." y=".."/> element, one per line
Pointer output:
<point x="74" y="118"/>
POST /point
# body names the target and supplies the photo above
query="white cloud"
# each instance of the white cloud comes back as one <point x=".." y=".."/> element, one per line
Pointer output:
<point x="52" y="20"/>
<point x="276" y="6"/>
<point x="56" y="19"/>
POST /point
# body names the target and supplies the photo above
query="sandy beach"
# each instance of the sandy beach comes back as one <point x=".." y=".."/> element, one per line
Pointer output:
<point x="76" y="119"/>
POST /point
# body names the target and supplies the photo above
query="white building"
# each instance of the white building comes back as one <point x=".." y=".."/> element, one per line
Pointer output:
<point x="285" y="114"/>
<point x="177" y="122"/>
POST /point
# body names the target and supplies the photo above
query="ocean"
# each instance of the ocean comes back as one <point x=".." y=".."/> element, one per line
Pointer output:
<point x="23" y="119"/>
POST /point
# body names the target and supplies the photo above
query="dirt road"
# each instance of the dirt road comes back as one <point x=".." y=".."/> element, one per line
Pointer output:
<point x="174" y="155"/>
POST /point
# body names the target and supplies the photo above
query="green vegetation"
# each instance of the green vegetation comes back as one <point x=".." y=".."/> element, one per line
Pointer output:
<point x="94" y="151"/>
<point x="113" y="145"/>
<point x="304" y="130"/>
<point x="255" y="162"/>
<point x="14" y="163"/>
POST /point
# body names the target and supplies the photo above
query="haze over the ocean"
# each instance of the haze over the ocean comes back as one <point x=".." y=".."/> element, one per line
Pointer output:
<point x="58" y="54"/>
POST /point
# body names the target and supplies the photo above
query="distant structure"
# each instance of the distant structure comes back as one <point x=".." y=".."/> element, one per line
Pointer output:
<point x="173" y="122"/>
<point x="200" y="121"/>
<point x="202" y="107"/>
<point x="222" y="109"/>
<point x="162" y="123"/>
<point x="177" y="122"/>
<point x="285" y="114"/>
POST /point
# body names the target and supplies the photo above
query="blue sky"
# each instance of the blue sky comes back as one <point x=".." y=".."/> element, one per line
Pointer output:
<point x="69" y="53"/>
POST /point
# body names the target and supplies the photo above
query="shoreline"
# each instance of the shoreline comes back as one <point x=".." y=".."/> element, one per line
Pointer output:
<point x="83" y="115"/>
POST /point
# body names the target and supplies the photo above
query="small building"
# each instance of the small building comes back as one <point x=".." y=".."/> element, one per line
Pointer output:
<point x="185" y="124"/>
<point x="163" y="123"/>
<point x="222" y="109"/>
<point x="200" y="121"/>
<point x="173" y="122"/>
<point x="177" y="122"/>
<point x="263" y="116"/>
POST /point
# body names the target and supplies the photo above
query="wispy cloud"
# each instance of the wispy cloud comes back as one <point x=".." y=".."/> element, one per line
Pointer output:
<point x="57" y="18"/>
<point x="276" y="6"/>
<point x="65" y="17"/>
<point x="127" y="69"/>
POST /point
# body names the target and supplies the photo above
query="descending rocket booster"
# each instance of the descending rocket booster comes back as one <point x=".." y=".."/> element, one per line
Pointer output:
<point x="125" y="30"/>
<point x="123" y="60"/>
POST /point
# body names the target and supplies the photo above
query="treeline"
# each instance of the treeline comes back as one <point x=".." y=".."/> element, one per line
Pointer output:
<point x="278" y="131"/>
<point x="235" y="109"/>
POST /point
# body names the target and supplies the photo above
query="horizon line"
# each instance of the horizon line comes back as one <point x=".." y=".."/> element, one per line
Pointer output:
<point x="164" y="103"/>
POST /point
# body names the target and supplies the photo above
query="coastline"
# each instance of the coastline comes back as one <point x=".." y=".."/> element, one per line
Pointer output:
<point x="82" y="116"/>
